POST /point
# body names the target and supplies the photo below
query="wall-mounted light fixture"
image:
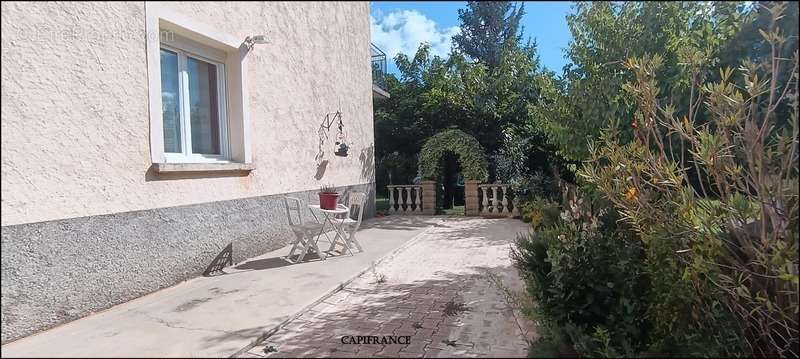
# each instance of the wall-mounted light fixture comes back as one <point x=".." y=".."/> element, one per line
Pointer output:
<point x="252" y="40"/>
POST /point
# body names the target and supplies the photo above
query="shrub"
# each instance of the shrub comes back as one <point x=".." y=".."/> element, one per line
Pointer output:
<point x="588" y="281"/>
<point x="701" y="204"/>
<point x="470" y="154"/>
<point x="723" y="254"/>
<point x="536" y="186"/>
<point x="601" y="291"/>
<point x="539" y="212"/>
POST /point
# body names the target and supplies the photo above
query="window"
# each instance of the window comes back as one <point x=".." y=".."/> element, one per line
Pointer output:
<point x="193" y="107"/>
<point x="198" y="96"/>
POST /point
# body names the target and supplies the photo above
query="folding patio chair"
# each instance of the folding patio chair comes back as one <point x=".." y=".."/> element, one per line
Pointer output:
<point x="303" y="232"/>
<point x="355" y="203"/>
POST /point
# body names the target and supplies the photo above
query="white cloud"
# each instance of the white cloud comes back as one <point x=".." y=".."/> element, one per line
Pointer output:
<point x="403" y="32"/>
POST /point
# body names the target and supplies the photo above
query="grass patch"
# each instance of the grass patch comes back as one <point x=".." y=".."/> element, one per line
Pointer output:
<point x="382" y="204"/>
<point x="455" y="211"/>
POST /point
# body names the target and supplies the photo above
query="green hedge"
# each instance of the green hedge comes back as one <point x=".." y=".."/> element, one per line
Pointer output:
<point x="470" y="154"/>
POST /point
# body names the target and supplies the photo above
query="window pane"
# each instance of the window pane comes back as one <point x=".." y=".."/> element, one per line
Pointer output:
<point x="170" y="101"/>
<point x="204" y="107"/>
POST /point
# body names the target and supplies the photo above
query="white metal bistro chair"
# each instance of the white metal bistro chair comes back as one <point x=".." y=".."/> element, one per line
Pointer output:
<point x="355" y="203"/>
<point x="303" y="232"/>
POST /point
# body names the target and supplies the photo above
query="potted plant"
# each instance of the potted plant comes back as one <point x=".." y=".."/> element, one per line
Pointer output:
<point x="328" y="197"/>
<point x="341" y="149"/>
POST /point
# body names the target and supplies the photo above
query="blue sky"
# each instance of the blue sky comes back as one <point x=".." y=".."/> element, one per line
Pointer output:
<point x="402" y="26"/>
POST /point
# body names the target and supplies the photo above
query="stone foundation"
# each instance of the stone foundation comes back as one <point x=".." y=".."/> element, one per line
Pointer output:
<point x="58" y="271"/>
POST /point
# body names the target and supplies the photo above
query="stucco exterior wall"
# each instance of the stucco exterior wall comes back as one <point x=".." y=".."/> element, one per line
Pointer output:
<point x="75" y="128"/>
<point x="87" y="222"/>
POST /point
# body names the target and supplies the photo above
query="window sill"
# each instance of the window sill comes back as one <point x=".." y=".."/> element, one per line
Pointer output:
<point x="202" y="167"/>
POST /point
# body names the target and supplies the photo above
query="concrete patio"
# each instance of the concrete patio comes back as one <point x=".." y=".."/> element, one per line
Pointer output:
<point x="425" y="263"/>
<point x="220" y="315"/>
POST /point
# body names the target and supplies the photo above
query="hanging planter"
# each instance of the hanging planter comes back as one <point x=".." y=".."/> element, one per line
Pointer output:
<point x="341" y="138"/>
<point x="341" y="149"/>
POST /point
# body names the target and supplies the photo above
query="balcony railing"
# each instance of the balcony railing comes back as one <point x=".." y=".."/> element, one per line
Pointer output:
<point x="378" y="67"/>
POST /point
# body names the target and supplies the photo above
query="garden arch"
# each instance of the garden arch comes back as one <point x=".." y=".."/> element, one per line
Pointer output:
<point x="467" y="149"/>
<point x="440" y="152"/>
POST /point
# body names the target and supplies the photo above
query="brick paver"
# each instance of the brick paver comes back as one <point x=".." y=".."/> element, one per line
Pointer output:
<point x="445" y="305"/>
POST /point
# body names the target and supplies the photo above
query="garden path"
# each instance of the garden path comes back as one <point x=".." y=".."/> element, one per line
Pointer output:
<point x="451" y="291"/>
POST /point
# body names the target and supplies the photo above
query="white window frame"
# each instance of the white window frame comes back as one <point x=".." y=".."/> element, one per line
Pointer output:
<point x="186" y="154"/>
<point x="205" y="43"/>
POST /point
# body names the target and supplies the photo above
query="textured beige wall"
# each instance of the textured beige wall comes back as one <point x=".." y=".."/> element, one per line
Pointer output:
<point x="75" y="135"/>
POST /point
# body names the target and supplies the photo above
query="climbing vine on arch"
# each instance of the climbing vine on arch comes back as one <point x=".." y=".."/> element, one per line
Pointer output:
<point x="469" y="151"/>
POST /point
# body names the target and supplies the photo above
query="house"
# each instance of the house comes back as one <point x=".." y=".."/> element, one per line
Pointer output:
<point x="142" y="140"/>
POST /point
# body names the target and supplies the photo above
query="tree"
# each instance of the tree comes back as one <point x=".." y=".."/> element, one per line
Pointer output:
<point x="488" y="28"/>
<point x="589" y="96"/>
<point x="490" y="99"/>
<point x="744" y="243"/>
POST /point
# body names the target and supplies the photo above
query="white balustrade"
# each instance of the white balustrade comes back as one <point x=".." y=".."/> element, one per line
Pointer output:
<point x="495" y="200"/>
<point x="408" y="200"/>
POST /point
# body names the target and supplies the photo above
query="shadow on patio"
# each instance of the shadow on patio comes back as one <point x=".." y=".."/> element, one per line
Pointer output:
<point x="371" y="230"/>
<point x="400" y="222"/>
<point x="464" y="314"/>
<point x="453" y="292"/>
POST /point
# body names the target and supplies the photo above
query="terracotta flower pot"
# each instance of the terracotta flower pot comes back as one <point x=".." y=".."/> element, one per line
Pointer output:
<point x="327" y="200"/>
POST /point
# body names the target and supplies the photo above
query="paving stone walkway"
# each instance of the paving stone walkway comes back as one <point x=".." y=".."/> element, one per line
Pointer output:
<point x="448" y="294"/>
